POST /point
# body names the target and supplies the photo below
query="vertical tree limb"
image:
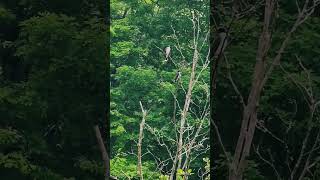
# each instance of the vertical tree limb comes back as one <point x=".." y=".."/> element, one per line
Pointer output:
<point x="249" y="112"/>
<point x="103" y="151"/>
<point x="178" y="158"/>
<point x="144" y="114"/>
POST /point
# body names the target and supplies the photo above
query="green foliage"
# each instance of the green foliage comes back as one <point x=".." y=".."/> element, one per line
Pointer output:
<point x="164" y="177"/>
<point x="252" y="172"/>
<point x="8" y="137"/>
<point x="6" y="17"/>
<point x="139" y="32"/>
<point x="181" y="174"/>
<point x="283" y="108"/>
<point x="126" y="168"/>
<point x="52" y="79"/>
<point x="17" y="162"/>
<point x="89" y="166"/>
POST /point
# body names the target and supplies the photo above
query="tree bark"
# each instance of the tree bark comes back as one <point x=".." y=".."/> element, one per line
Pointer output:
<point x="249" y="118"/>
<point x="144" y="114"/>
<point x="178" y="158"/>
<point x="103" y="151"/>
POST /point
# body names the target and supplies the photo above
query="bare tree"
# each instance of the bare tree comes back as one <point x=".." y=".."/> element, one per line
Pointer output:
<point x="297" y="167"/>
<point x="144" y="115"/>
<point x="261" y="74"/>
<point x="190" y="119"/>
<point x="177" y="163"/>
<point x="190" y="138"/>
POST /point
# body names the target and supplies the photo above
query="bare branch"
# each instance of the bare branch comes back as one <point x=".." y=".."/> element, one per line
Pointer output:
<point x="144" y="114"/>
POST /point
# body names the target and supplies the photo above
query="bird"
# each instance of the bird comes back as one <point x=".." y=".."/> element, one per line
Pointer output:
<point x="178" y="76"/>
<point x="167" y="52"/>
<point x="220" y="42"/>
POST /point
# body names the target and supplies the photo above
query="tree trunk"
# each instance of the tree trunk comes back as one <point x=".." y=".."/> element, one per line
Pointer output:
<point x="178" y="158"/>
<point x="249" y="119"/>
<point x="144" y="114"/>
<point x="103" y="151"/>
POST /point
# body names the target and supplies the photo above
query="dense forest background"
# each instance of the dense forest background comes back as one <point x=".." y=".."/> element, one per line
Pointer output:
<point x="53" y="79"/>
<point x="285" y="115"/>
<point x="140" y="31"/>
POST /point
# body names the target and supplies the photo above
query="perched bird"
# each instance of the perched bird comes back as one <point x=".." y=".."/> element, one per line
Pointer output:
<point x="220" y="42"/>
<point x="178" y="76"/>
<point x="167" y="52"/>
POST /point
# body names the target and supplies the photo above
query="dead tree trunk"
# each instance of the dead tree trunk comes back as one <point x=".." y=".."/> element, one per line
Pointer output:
<point x="261" y="75"/>
<point x="103" y="151"/>
<point x="249" y="118"/>
<point x="144" y="114"/>
<point x="178" y="158"/>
